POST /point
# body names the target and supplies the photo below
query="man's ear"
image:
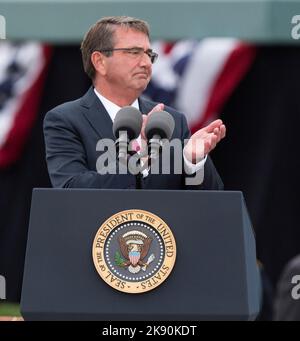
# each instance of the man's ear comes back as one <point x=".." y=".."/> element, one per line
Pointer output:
<point x="99" y="62"/>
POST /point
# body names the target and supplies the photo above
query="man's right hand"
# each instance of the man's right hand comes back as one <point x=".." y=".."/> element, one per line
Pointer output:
<point x="158" y="107"/>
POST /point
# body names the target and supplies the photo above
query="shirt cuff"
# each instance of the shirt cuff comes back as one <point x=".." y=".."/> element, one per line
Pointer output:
<point x="191" y="168"/>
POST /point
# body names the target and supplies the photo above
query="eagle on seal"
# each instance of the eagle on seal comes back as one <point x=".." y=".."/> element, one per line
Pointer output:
<point x="134" y="246"/>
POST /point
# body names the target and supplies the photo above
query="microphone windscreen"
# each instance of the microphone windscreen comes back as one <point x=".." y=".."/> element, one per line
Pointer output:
<point x="160" y="123"/>
<point x="128" y="119"/>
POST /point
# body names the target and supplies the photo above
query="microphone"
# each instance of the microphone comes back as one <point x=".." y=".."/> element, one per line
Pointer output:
<point x="160" y="125"/>
<point x="126" y="127"/>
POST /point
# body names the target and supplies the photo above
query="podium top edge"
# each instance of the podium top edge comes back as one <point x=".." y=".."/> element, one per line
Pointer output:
<point x="35" y="190"/>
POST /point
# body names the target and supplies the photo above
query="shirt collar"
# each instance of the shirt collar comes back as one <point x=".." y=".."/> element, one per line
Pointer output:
<point x="111" y="107"/>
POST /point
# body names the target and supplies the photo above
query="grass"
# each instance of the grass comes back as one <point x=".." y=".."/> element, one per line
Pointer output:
<point x="9" y="309"/>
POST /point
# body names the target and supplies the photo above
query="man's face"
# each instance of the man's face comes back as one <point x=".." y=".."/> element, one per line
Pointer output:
<point x="126" y="71"/>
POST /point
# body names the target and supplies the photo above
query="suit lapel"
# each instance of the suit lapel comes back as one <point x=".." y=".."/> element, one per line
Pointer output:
<point x="97" y="115"/>
<point x="99" y="118"/>
<point x="145" y="106"/>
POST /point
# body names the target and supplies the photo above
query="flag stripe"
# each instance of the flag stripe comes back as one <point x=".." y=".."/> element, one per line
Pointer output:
<point x="22" y="111"/>
<point x="200" y="75"/>
<point x="237" y="64"/>
<point x="198" y="78"/>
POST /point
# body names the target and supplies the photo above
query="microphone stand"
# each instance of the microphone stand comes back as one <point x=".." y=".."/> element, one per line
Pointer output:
<point x="138" y="175"/>
<point x="138" y="178"/>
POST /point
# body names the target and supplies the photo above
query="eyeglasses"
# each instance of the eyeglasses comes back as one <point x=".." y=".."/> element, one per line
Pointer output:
<point x="136" y="52"/>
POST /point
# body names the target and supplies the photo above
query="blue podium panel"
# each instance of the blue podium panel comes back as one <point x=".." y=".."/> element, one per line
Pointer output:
<point x="215" y="275"/>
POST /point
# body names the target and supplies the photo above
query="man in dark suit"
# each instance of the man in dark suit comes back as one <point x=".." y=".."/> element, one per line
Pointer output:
<point x="117" y="57"/>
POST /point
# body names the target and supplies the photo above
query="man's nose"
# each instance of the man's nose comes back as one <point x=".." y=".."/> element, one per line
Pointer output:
<point x="145" y="60"/>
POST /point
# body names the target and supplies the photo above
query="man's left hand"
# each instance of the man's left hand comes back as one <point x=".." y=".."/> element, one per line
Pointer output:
<point x="204" y="141"/>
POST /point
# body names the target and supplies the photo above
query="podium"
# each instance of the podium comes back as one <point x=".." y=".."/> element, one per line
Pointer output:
<point x="215" y="276"/>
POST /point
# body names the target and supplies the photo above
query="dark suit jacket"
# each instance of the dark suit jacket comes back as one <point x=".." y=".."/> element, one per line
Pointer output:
<point x="72" y="131"/>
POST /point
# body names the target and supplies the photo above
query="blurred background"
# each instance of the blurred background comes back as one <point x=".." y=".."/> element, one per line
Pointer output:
<point x="237" y="60"/>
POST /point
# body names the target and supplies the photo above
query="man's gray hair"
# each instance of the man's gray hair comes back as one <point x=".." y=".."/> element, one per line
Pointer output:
<point x="101" y="37"/>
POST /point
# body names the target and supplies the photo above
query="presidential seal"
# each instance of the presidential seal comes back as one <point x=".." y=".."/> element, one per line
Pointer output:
<point x="134" y="251"/>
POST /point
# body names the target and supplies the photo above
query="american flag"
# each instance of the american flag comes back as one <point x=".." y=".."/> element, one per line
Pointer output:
<point x="198" y="77"/>
<point x="22" y="75"/>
